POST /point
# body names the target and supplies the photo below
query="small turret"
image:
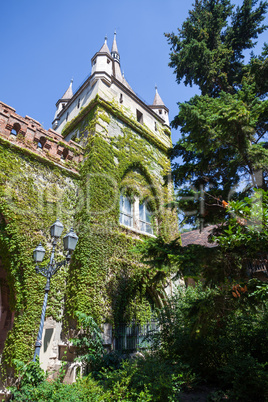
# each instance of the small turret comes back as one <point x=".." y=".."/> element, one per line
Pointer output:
<point x="159" y="107"/>
<point x="62" y="102"/>
<point x="102" y="65"/>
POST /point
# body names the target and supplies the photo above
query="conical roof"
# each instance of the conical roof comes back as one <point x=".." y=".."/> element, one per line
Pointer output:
<point x="114" y="47"/>
<point x="69" y="93"/>
<point x="117" y="72"/>
<point x="104" y="48"/>
<point x="157" y="99"/>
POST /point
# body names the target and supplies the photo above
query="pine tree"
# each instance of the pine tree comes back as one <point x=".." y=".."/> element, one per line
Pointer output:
<point x="224" y="130"/>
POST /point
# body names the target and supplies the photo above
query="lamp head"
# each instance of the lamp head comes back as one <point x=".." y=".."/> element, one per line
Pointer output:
<point x="70" y="241"/>
<point x="56" y="229"/>
<point x="39" y="253"/>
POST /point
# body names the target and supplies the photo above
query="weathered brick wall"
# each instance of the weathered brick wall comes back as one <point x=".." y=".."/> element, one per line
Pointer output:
<point x="30" y="133"/>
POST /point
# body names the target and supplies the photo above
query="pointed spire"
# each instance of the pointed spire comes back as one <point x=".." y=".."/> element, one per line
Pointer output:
<point x="114" y="52"/>
<point x="114" y="47"/>
<point x="104" y="48"/>
<point x="157" y="99"/>
<point x="69" y="93"/>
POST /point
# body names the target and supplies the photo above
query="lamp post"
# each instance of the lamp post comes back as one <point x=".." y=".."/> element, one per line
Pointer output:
<point x="69" y="244"/>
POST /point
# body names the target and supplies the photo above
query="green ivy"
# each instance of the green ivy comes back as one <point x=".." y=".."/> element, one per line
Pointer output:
<point x="105" y="278"/>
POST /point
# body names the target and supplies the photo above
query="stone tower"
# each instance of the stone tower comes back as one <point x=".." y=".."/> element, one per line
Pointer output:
<point x="104" y="169"/>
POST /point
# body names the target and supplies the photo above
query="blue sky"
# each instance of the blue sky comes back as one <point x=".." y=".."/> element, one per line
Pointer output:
<point x="46" y="43"/>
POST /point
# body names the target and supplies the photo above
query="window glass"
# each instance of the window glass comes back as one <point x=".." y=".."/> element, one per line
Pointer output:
<point x="126" y="211"/>
<point x="145" y="216"/>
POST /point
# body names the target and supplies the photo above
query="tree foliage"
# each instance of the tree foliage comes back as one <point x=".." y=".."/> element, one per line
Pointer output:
<point x="224" y="130"/>
<point x="220" y="338"/>
<point x="239" y="246"/>
<point x="208" y="50"/>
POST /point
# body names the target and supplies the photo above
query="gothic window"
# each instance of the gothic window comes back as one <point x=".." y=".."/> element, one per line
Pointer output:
<point x="78" y="104"/>
<point x="136" y="215"/>
<point x="145" y="216"/>
<point x="126" y="211"/>
<point x="121" y="98"/>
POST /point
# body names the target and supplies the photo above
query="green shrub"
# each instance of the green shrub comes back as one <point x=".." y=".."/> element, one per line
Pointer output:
<point x="88" y="342"/>
<point x="222" y="340"/>
<point x="82" y="390"/>
<point x="248" y="379"/>
<point x="159" y="379"/>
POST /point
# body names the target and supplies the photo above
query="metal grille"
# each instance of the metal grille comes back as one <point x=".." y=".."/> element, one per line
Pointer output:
<point x="259" y="265"/>
<point x="134" y="337"/>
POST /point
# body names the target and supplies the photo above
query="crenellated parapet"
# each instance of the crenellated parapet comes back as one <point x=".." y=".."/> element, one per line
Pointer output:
<point x="27" y="133"/>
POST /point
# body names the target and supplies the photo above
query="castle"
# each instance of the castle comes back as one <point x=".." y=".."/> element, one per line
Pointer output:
<point x="104" y="169"/>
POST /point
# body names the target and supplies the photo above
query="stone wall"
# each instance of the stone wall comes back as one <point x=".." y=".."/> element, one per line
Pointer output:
<point x="29" y="134"/>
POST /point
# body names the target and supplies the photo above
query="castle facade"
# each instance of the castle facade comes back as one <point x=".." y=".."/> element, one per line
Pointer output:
<point x="103" y="169"/>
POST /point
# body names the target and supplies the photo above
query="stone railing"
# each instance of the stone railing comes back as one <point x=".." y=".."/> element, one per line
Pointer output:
<point x="27" y="133"/>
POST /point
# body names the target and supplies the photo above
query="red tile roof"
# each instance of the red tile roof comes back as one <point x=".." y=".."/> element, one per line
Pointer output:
<point x="198" y="237"/>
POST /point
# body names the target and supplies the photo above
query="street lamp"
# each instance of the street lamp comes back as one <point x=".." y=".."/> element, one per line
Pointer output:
<point x="69" y="244"/>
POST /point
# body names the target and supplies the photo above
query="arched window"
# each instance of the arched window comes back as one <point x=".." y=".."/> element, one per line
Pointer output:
<point x="126" y="211"/>
<point x="64" y="154"/>
<point x="41" y="142"/>
<point x="145" y="217"/>
<point x="16" y="128"/>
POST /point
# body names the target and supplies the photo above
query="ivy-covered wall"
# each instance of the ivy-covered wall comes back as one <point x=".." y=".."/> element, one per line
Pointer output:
<point x="105" y="278"/>
<point x="32" y="196"/>
<point x="122" y="156"/>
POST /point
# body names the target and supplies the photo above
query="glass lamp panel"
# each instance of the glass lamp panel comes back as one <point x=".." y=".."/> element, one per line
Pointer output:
<point x="56" y="229"/>
<point x="70" y="241"/>
<point x="39" y="253"/>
